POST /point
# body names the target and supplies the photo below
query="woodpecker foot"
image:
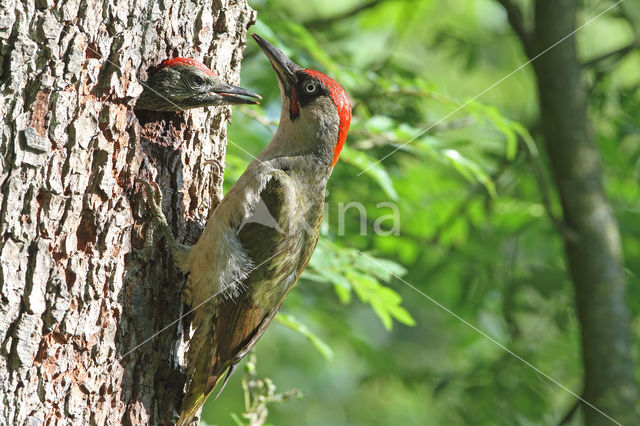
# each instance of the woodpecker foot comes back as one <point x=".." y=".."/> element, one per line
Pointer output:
<point x="149" y="239"/>
<point x="159" y="221"/>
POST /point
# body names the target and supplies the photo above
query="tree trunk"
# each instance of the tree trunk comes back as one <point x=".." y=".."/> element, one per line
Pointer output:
<point x="593" y="242"/>
<point x="76" y="297"/>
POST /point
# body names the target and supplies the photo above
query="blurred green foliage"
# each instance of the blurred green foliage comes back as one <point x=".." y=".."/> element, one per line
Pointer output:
<point x="475" y="216"/>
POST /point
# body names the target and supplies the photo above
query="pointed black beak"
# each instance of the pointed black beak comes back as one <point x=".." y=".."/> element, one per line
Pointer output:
<point x="236" y="95"/>
<point x="284" y="67"/>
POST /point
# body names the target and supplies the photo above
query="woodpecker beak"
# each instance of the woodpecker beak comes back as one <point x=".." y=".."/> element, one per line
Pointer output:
<point x="284" y="67"/>
<point x="234" y="94"/>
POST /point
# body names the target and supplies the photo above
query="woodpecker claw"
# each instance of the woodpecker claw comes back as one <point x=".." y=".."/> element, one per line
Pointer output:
<point x="149" y="239"/>
<point x="159" y="220"/>
<point x="153" y="192"/>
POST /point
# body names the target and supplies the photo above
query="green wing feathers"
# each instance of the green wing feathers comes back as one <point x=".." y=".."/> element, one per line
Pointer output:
<point x="224" y="335"/>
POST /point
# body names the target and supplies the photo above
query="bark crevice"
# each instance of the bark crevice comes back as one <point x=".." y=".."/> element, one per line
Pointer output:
<point x="75" y="294"/>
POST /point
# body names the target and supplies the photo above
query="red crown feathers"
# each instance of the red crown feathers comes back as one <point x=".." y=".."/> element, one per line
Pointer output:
<point x="185" y="62"/>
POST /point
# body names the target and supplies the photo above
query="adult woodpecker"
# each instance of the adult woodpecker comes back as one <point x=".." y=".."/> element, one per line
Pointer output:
<point x="182" y="83"/>
<point x="248" y="263"/>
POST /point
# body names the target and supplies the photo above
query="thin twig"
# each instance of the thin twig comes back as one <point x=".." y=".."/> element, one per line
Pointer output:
<point x="562" y="227"/>
<point x="323" y="22"/>
<point x="618" y="54"/>
<point x="260" y="118"/>
<point x="567" y="417"/>
<point x="514" y="15"/>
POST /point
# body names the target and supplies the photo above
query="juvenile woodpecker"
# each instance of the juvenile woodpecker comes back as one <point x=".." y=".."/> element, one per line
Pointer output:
<point x="182" y="83"/>
<point x="259" y="239"/>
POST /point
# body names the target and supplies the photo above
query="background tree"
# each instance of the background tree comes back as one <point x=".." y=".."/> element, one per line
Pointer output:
<point x="589" y="230"/>
<point x="484" y="214"/>
<point x="77" y="302"/>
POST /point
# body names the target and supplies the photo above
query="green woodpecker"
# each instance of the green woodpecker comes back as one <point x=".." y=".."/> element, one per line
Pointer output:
<point x="259" y="239"/>
<point x="182" y="83"/>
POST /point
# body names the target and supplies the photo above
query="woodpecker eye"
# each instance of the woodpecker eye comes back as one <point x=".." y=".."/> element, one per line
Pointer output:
<point x="310" y="87"/>
<point x="197" y="80"/>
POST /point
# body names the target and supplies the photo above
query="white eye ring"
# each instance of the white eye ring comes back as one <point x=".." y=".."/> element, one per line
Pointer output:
<point x="310" y="87"/>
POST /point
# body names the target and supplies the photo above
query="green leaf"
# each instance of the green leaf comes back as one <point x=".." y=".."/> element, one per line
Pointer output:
<point x="383" y="314"/>
<point x="374" y="169"/>
<point x="402" y="315"/>
<point x="291" y="322"/>
<point x="384" y="301"/>
<point x="526" y="137"/>
<point x="344" y="294"/>
<point x="349" y="271"/>
<point x="470" y="170"/>
<point x="384" y="269"/>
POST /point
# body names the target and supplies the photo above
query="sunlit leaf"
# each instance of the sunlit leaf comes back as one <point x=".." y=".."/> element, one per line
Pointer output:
<point x="291" y="322"/>
<point x="372" y="168"/>
<point x="470" y="170"/>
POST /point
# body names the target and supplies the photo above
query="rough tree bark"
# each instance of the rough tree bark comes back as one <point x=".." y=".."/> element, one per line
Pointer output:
<point x="592" y="242"/>
<point x="76" y="297"/>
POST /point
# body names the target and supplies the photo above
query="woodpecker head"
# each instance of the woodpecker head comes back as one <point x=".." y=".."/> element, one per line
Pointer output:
<point x="182" y="83"/>
<point x="316" y="111"/>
